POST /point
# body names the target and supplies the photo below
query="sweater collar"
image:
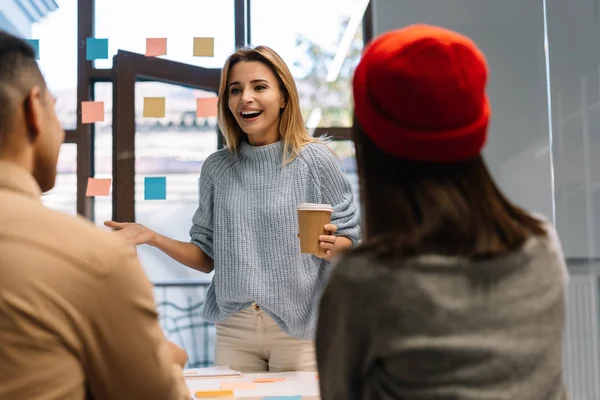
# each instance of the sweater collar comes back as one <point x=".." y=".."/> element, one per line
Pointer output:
<point x="269" y="153"/>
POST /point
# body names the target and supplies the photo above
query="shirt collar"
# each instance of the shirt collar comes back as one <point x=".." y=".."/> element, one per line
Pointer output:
<point x="17" y="179"/>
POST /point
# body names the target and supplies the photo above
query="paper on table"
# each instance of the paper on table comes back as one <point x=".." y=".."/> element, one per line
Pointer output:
<point x="210" y="372"/>
<point x="296" y="384"/>
<point x="237" y="385"/>
<point x="268" y="380"/>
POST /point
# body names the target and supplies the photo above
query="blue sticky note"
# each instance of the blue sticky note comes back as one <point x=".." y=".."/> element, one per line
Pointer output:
<point x="283" y="398"/>
<point x="155" y="188"/>
<point x="35" y="43"/>
<point x="96" y="49"/>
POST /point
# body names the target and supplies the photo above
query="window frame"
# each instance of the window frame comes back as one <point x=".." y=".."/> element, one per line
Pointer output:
<point x="131" y="68"/>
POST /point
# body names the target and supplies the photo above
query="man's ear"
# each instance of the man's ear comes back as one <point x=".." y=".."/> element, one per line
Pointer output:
<point x="33" y="109"/>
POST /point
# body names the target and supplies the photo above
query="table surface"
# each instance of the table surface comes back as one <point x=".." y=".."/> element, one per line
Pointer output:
<point x="305" y="384"/>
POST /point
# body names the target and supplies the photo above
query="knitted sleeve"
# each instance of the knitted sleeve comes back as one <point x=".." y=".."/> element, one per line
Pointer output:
<point x="201" y="233"/>
<point x="343" y="338"/>
<point x="336" y="190"/>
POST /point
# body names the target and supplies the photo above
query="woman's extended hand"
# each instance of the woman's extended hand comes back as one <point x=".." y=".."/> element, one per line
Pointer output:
<point x="133" y="233"/>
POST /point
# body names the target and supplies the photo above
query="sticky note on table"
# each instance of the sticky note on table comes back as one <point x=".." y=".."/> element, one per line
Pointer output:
<point x="35" y="43"/>
<point x="283" y="398"/>
<point x="92" y="111"/>
<point x="238" y="385"/>
<point x="155" y="188"/>
<point x="204" y="47"/>
<point x="206" y="107"/>
<point x="96" y="49"/>
<point x="206" y="394"/>
<point x="156" y="47"/>
<point x="98" y="187"/>
<point x="268" y="380"/>
<point x="154" y="107"/>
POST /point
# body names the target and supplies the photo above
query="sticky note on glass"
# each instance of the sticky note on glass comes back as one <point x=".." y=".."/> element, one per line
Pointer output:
<point x="92" y="111"/>
<point x="238" y="385"/>
<point x="206" y="107"/>
<point x="35" y="43"/>
<point x="204" y="47"/>
<point x="155" y="188"/>
<point x="154" y="107"/>
<point x="96" y="49"/>
<point x="268" y="380"/>
<point x="156" y="47"/>
<point x="98" y="187"/>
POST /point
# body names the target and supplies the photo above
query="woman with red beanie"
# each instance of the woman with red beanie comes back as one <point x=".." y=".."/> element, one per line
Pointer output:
<point x="455" y="292"/>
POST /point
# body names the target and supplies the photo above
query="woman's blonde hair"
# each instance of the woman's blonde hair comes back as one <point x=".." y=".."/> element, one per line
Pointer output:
<point x="291" y="125"/>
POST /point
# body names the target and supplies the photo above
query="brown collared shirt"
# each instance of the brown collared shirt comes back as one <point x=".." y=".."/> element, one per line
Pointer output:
<point x="76" y="309"/>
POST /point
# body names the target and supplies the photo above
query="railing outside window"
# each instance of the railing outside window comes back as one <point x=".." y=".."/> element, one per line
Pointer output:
<point x="179" y="303"/>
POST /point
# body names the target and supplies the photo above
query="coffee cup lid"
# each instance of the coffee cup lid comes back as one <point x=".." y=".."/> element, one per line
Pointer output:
<point x="314" y="207"/>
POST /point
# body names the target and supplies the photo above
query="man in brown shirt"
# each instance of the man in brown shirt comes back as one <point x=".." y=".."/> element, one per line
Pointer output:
<point x="77" y="316"/>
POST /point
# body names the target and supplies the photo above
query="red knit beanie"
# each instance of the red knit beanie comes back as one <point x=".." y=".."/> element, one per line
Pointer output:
<point x="419" y="94"/>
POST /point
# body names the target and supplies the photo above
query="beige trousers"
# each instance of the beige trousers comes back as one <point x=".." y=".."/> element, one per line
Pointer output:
<point x="250" y="341"/>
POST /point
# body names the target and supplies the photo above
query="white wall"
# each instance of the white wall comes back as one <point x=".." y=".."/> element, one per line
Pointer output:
<point x="511" y="34"/>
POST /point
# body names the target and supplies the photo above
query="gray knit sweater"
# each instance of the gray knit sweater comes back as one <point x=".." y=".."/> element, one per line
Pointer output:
<point x="247" y="222"/>
<point x="444" y="328"/>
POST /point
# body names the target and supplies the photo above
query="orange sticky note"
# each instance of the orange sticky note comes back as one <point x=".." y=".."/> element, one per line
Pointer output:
<point x="98" y="187"/>
<point x="204" y="394"/>
<point x="268" y="380"/>
<point x="154" y="107"/>
<point x="238" y="385"/>
<point x="156" y="47"/>
<point x="204" y="47"/>
<point x="92" y="111"/>
<point x="206" y="107"/>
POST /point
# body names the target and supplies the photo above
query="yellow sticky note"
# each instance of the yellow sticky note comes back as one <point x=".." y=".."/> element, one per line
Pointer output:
<point x="206" y="107"/>
<point x="154" y="107"/>
<point x="92" y="111"/>
<point x="156" y="47"/>
<point x="207" y="394"/>
<point x="238" y="385"/>
<point x="204" y="47"/>
<point x="98" y="187"/>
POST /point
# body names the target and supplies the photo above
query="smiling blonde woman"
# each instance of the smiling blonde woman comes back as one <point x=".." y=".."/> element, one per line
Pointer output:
<point x="264" y="292"/>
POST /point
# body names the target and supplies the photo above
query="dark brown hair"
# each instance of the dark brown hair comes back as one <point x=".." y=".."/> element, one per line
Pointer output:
<point x="19" y="72"/>
<point x="411" y="208"/>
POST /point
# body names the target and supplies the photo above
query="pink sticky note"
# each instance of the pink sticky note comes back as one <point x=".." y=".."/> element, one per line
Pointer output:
<point x="98" y="187"/>
<point x="156" y="47"/>
<point x="206" y="107"/>
<point x="238" y="385"/>
<point x="92" y="111"/>
<point x="268" y="380"/>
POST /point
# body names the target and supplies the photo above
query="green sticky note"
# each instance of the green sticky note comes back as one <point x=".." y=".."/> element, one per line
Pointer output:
<point x="155" y="188"/>
<point x="96" y="49"/>
<point x="35" y="43"/>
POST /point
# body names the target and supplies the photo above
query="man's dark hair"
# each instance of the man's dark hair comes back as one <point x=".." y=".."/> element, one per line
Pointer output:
<point x="19" y="72"/>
